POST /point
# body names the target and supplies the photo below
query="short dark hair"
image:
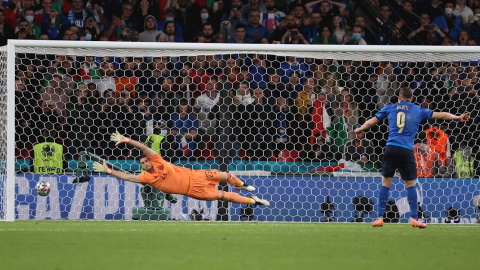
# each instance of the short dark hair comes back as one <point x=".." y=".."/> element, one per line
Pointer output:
<point x="406" y="93"/>
<point x="142" y="156"/>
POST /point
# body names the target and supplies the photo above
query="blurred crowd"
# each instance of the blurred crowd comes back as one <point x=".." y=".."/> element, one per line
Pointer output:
<point x="350" y="22"/>
<point x="270" y="107"/>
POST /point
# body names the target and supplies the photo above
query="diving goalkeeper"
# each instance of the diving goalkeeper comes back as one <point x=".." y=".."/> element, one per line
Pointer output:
<point x="166" y="177"/>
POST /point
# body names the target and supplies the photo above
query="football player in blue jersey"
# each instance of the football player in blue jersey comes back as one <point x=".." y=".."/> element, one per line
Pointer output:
<point x="404" y="118"/>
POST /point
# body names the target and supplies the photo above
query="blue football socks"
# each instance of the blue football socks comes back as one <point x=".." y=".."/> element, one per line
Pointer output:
<point x="382" y="201"/>
<point x="412" y="201"/>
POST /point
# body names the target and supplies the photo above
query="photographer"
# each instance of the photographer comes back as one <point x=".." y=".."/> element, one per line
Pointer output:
<point x="421" y="35"/>
<point x="24" y="30"/>
<point x="293" y="36"/>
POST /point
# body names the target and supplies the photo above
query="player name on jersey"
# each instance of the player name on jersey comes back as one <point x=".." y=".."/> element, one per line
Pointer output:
<point x="402" y="107"/>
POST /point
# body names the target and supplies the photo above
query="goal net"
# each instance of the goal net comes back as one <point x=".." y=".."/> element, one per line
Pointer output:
<point x="278" y="116"/>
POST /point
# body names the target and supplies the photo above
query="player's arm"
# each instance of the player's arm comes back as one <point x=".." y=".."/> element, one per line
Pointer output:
<point x="119" y="139"/>
<point x="103" y="168"/>
<point x="448" y="116"/>
<point x="370" y="123"/>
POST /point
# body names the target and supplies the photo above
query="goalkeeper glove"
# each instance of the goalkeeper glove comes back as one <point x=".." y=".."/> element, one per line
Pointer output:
<point x="119" y="138"/>
<point x="101" y="168"/>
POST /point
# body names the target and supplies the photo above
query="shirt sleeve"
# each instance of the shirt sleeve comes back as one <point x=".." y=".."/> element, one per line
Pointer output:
<point x="142" y="178"/>
<point x="426" y="113"/>
<point x="383" y="113"/>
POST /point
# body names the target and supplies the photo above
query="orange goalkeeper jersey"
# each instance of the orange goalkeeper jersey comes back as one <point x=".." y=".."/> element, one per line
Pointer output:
<point x="166" y="176"/>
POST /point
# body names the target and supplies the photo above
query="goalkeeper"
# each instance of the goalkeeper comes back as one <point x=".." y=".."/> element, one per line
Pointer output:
<point x="171" y="179"/>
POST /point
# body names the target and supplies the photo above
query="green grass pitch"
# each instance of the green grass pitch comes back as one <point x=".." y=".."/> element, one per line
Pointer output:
<point x="234" y="245"/>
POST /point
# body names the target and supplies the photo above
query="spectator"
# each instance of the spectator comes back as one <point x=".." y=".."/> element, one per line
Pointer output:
<point x="92" y="27"/>
<point x="463" y="38"/>
<point x="320" y="151"/>
<point x="240" y="34"/>
<point x="285" y="24"/>
<point x="122" y="26"/>
<point x="89" y="69"/>
<point x="255" y="31"/>
<point x="58" y="91"/>
<point x="325" y="37"/>
<point x="386" y="85"/>
<point x="346" y="111"/>
<point x="80" y="120"/>
<point x="54" y="23"/>
<point x="253" y="5"/>
<point x="408" y="20"/>
<point x="425" y="34"/>
<point x="143" y="119"/>
<point x="235" y="16"/>
<point x="371" y="34"/>
<point x="275" y="88"/>
<point x="293" y="36"/>
<point x="260" y="121"/>
<point x="449" y="23"/>
<point x="359" y="154"/>
<point x="338" y="28"/>
<point x="144" y="9"/>
<point x="6" y="32"/>
<point x="25" y="30"/>
<point x="326" y="10"/>
<point x="473" y="28"/>
<point x="217" y="13"/>
<point x="437" y="140"/>
<point x="272" y="17"/>
<point x="294" y="85"/>
<point x="186" y="16"/>
<point x="285" y="116"/>
<point x="77" y="15"/>
<point x="199" y="26"/>
<point x="46" y="7"/>
<point x="312" y="30"/>
<point x="46" y="117"/>
<point x="207" y="33"/>
<point x="305" y="100"/>
<point x="99" y="13"/>
<point x="258" y="71"/>
<point x="29" y="15"/>
<point x="184" y="127"/>
<point x="292" y="64"/>
<point x="356" y="38"/>
<point x="427" y="161"/>
<point x="462" y="11"/>
<point x="204" y="104"/>
<point x="298" y="12"/>
<point x="151" y="33"/>
<point x="465" y="163"/>
<point x="243" y="95"/>
<point x="171" y="32"/>
<point x="434" y="8"/>
<point x="170" y="17"/>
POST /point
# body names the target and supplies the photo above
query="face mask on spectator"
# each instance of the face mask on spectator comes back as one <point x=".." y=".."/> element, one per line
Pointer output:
<point x="204" y="16"/>
<point x="53" y="21"/>
<point x="356" y="36"/>
<point x="448" y="11"/>
<point x="168" y="19"/>
<point x="29" y="18"/>
<point x="88" y="37"/>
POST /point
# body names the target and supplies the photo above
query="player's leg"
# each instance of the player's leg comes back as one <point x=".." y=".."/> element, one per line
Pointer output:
<point x="236" y="198"/>
<point x="232" y="179"/>
<point x="389" y="166"/>
<point x="413" y="203"/>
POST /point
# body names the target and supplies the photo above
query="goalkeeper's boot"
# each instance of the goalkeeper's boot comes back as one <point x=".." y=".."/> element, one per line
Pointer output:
<point x="246" y="187"/>
<point x="378" y="222"/>
<point x="259" y="201"/>
<point x="418" y="224"/>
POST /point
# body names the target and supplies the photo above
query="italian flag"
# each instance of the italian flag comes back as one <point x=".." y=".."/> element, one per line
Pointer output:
<point x="321" y="120"/>
<point x="339" y="133"/>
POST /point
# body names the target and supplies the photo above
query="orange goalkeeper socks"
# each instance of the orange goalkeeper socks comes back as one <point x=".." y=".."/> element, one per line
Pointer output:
<point x="234" y="180"/>
<point x="234" y="197"/>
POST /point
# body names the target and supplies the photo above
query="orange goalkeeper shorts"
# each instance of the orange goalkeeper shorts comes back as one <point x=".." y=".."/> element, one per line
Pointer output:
<point x="202" y="185"/>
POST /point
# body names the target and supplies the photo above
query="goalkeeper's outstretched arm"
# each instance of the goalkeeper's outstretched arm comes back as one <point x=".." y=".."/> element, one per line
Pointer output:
<point x="103" y="168"/>
<point x="119" y="139"/>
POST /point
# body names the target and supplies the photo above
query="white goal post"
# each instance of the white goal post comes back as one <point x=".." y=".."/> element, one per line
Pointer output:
<point x="297" y="184"/>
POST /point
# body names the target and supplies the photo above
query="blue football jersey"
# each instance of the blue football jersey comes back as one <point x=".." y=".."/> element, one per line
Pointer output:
<point x="403" y="121"/>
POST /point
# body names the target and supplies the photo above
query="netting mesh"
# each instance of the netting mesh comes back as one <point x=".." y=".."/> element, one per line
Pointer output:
<point x="282" y="121"/>
<point x="3" y="129"/>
